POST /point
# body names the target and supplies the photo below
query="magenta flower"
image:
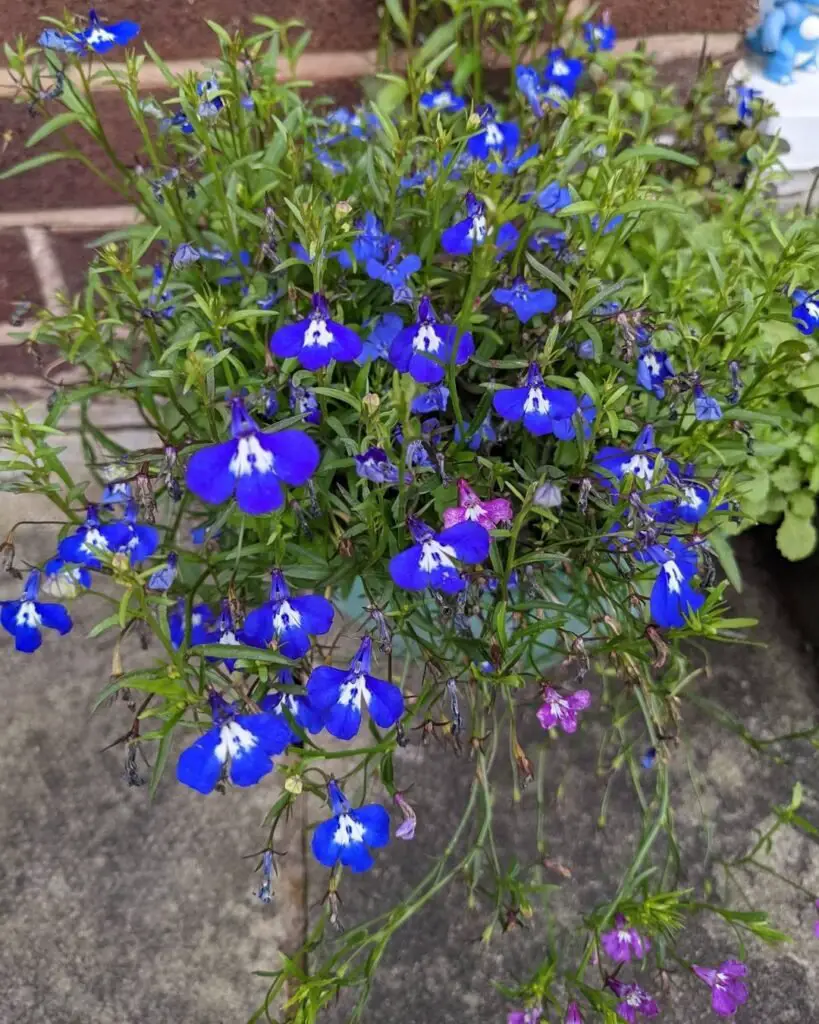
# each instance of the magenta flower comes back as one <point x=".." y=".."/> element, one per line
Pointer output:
<point x="487" y="514"/>
<point x="573" y="1014"/>
<point x="559" y="710"/>
<point x="633" y="1000"/>
<point x="623" y="943"/>
<point x="406" y="830"/>
<point x="524" y="1016"/>
<point x="727" y="991"/>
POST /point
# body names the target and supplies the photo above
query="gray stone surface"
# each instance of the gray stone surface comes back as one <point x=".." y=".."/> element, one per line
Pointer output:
<point x="117" y="909"/>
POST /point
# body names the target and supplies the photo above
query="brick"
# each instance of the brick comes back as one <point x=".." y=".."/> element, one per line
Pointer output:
<point x="637" y="18"/>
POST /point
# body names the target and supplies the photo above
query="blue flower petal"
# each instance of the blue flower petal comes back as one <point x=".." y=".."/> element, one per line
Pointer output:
<point x="405" y="569"/>
<point x="316" y="613"/>
<point x="469" y="541"/>
<point x="259" y="493"/>
<point x="356" y="857"/>
<point x="325" y="849"/>
<point x="343" y="721"/>
<point x="509" y="403"/>
<point x="54" y="616"/>
<point x="198" y="766"/>
<point x="288" y="340"/>
<point x="375" y="821"/>
<point x="296" y="456"/>
<point x="208" y="474"/>
<point x="324" y="686"/>
<point x="386" y="702"/>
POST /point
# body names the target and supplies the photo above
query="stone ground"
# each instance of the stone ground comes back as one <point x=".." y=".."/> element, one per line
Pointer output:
<point x="119" y="909"/>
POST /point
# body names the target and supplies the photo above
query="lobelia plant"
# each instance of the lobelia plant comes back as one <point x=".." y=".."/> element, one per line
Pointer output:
<point x="474" y="378"/>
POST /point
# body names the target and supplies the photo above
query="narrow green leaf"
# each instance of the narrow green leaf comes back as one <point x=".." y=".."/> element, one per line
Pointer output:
<point x="54" y="124"/>
<point x="35" y="162"/>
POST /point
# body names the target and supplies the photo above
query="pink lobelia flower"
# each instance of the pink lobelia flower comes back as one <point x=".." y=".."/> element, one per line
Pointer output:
<point x="524" y="1016"/>
<point x="487" y="514"/>
<point x="406" y="830"/>
<point x="633" y="1000"/>
<point x="623" y="943"/>
<point x="559" y="710"/>
<point x="727" y="991"/>
<point x="573" y="1014"/>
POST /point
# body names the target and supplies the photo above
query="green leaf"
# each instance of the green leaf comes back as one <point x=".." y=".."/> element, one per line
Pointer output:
<point x="438" y="40"/>
<point x="54" y="124"/>
<point x="796" y="537"/>
<point x="786" y="478"/>
<point x="725" y="553"/>
<point x="802" y="504"/>
<point x="649" y="152"/>
<point x="396" y="12"/>
<point x="36" y="161"/>
<point x="392" y="95"/>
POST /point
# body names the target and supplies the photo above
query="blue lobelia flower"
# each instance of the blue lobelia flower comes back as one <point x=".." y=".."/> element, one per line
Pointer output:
<point x="323" y="157"/>
<point x="706" y="408"/>
<point x="142" y="541"/>
<point x="370" y="242"/>
<point x="304" y="402"/>
<point x="557" y="241"/>
<point x="443" y="99"/>
<point x="486" y="432"/>
<point x="425" y="348"/>
<point x="511" y="163"/>
<point x="653" y="370"/>
<point x="244" y="744"/>
<point x="538" y="406"/>
<point x="177" y="120"/>
<point x="524" y="301"/>
<point x="160" y="303"/>
<point x="97" y="37"/>
<point x="92" y="540"/>
<point x="339" y="693"/>
<point x="375" y="466"/>
<point x="228" y="636"/>
<point x="746" y="97"/>
<point x="211" y="101"/>
<point x="287" y="621"/>
<point x="463" y="236"/>
<point x="162" y="578"/>
<point x="316" y="340"/>
<point x="201" y="623"/>
<point x="495" y="137"/>
<point x="529" y="84"/>
<point x="253" y="465"/>
<point x="561" y="74"/>
<point x="377" y="345"/>
<point x="403" y="294"/>
<point x="349" y="835"/>
<point x="118" y="492"/>
<point x="806" y="311"/>
<point x="563" y="427"/>
<point x="554" y="197"/>
<point x="672" y="596"/>
<point x="693" y="503"/>
<point x="297" y="705"/>
<point x="418" y="457"/>
<point x="393" y="271"/>
<point x="23" y="618"/>
<point x="599" y="35"/>
<point x="430" y="562"/>
<point x="609" y="226"/>
<point x="63" y="580"/>
<point x="638" y="461"/>
<point x="585" y="349"/>
<point x="434" y="399"/>
<point x="185" y="254"/>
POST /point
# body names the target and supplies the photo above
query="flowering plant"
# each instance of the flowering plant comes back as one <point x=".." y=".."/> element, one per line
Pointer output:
<point x="421" y="375"/>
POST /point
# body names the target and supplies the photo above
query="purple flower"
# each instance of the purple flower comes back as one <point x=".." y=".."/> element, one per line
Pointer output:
<point x="349" y="834"/>
<point x="393" y="272"/>
<point x="554" y="197"/>
<point x="634" y="1000"/>
<point x="431" y="561"/>
<point x="97" y="37"/>
<point x="539" y="407"/>
<point x="525" y="301"/>
<point x="163" y="577"/>
<point x="623" y="942"/>
<point x="245" y="744"/>
<point x="443" y="99"/>
<point x="377" y="345"/>
<point x="24" y="618"/>
<point x="185" y="254"/>
<point x="561" y="710"/>
<point x="425" y="348"/>
<point x="706" y="408"/>
<point x="494" y="137"/>
<point x="287" y="621"/>
<point x="531" y="1016"/>
<point x="339" y="694"/>
<point x="573" y="1014"/>
<point x="406" y="830"/>
<point x="672" y="596"/>
<point x="375" y="466"/>
<point x="316" y="340"/>
<point x="253" y="465"/>
<point x="728" y="993"/>
<point x="434" y="399"/>
<point x="653" y="369"/>
<point x="599" y="35"/>
<point x="303" y="401"/>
